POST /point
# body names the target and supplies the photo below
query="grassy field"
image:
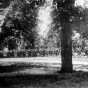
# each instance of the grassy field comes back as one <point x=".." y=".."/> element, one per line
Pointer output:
<point x="42" y="73"/>
<point x="38" y="65"/>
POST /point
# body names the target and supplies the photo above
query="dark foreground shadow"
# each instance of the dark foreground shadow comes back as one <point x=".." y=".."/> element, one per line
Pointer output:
<point x="44" y="81"/>
<point x="8" y="82"/>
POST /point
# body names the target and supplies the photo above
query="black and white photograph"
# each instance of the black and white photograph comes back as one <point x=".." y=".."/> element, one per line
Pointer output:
<point x="43" y="44"/>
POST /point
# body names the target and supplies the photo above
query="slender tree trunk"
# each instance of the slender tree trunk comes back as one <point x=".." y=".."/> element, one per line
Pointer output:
<point x="66" y="43"/>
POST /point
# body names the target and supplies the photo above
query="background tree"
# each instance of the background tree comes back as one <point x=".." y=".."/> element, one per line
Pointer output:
<point x="21" y="18"/>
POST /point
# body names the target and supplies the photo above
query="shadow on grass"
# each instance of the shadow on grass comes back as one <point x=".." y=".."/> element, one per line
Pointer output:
<point x="27" y="80"/>
<point x="33" y="81"/>
<point x="15" y="67"/>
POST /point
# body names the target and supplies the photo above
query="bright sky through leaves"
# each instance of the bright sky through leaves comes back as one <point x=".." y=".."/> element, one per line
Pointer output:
<point x="81" y="3"/>
<point x="44" y="18"/>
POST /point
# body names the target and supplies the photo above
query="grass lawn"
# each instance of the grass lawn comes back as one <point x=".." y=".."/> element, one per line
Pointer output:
<point x="43" y="70"/>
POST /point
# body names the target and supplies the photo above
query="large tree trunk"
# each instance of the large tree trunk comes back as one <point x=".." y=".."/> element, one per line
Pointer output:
<point x="65" y="11"/>
<point x="66" y="48"/>
<point x="66" y="43"/>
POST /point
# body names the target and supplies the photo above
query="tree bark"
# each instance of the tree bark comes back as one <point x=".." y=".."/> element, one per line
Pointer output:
<point x="66" y="43"/>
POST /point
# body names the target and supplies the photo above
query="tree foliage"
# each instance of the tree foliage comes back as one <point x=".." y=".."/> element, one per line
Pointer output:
<point x="19" y="23"/>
